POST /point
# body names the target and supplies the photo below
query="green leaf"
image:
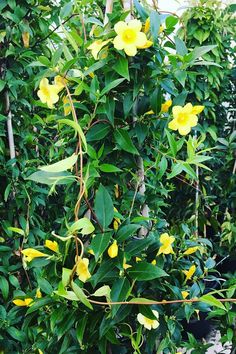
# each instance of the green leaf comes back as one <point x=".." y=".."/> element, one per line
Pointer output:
<point x="181" y="48"/>
<point x="66" y="9"/>
<point x="198" y="52"/>
<point x="100" y="243"/>
<point x="140" y="9"/>
<point x="17" y="230"/>
<point x="146" y="271"/>
<point x="77" y="129"/>
<point x="155" y="100"/>
<point x="122" y="67"/>
<point x="66" y="275"/>
<point x="126" y="231"/>
<point x="181" y="76"/>
<point x="83" y="226"/>
<point x="98" y="132"/>
<point x="155" y="23"/>
<point x="108" y="168"/>
<point x="105" y="290"/>
<point x="212" y="301"/>
<point x="81" y="295"/>
<point x="4" y="287"/>
<point x="119" y="292"/>
<point x="50" y="178"/>
<point x="2" y="85"/>
<point x="104" y="208"/>
<point x="81" y="325"/>
<point x="16" y="334"/>
<point x="62" y="165"/>
<point x="38" y="303"/>
<point x="176" y="170"/>
<point x="162" y="167"/>
<point x="111" y="85"/>
<point x="124" y="141"/>
<point x="172" y="143"/>
<point x="171" y="21"/>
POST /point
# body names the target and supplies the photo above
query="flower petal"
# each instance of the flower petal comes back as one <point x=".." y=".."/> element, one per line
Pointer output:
<point x="118" y="43"/>
<point x="173" y="124"/>
<point x="197" y="109"/>
<point x="176" y="110"/>
<point x="130" y="50"/>
<point x="43" y="83"/>
<point x="155" y="324"/>
<point x="120" y="27"/>
<point x="141" y="39"/>
<point x="135" y="24"/>
<point x="141" y="319"/>
<point x="164" y="237"/>
<point x="184" y="130"/>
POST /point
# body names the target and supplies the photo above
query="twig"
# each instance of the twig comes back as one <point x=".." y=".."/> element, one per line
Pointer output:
<point x="9" y="126"/>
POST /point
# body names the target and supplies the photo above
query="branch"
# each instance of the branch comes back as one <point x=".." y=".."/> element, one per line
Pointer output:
<point x="9" y="126"/>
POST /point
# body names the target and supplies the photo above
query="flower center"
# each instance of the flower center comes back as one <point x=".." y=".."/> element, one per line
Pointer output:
<point x="129" y="36"/>
<point x="182" y="118"/>
<point x="149" y="321"/>
<point x="46" y="91"/>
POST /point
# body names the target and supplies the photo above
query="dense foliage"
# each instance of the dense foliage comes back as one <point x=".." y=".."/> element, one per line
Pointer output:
<point x="117" y="185"/>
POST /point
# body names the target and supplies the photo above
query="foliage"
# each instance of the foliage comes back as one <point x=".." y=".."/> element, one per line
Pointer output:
<point x="90" y="210"/>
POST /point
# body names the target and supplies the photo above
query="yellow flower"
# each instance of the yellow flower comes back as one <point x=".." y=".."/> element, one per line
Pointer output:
<point x="66" y="105"/>
<point x="48" y="93"/>
<point x="147" y="322"/>
<point x="149" y="112"/>
<point x="165" y="106"/>
<point x="185" y="118"/>
<point x="116" y="221"/>
<point x="154" y="262"/>
<point x="189" y="273"/>
<point x="52" y="245"/>
<point x="146" y="45"/>
<point x="96" y="46"/>
<point x="91" y="252"/>
<point x="161" y="29"/>
<point x="31" y="253"/>
<point x="138" y="259"/>
<point x="82" y="269"/>
<point x="60" y="82"/>
<point x="125" y="265"/>
<point x="129" y="37"/>
<point x="26" y="302"/>
<point x="40" y="351"/>
<point x="25" y="38"/>
<point x="113" y="250"/>
<point x="166" y="241"/>
<point x="38" y="294"/>
<point x="191" y="250"/>
<point x="185" y="294"/>
<point x="147" y="25"/>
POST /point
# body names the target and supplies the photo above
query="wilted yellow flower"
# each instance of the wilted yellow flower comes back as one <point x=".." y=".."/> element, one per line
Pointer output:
<point x="26" y="302"/>
<point x="147" y="322"/>
<point x="60" y="82"/>
<point x="165" y="106"/>
<point x="52" y="245"/>
<point x="25" y="38"/>
<point x="116" y="221"/>
<point x="185" y="294"/>
<point x="154" y="262"/>
<point x="125" y="265"/>
<point x="31" y="253"/>
<point x="113" y="250"/>
<point x="129" y="36"/>
<point x="96" y="46"/>
<point x="48" y="93"/>
<point x="38" y="294"/>
<point x="82" y="269"/>
<point x="189" y="273"/>
<point x="191" y="250"/>
<point x="166" y="241"/>
<point x="185" y="118"/>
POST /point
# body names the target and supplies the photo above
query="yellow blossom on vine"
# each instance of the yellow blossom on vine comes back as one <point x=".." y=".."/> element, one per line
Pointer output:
<point x="40" y="351"/>
<point x="52" y="245"/>
<point x="165" y="106"/>
<point x="126" y="265"/>
<point x="48" y="93"/>
<point x="146" y="45"/>
<point x="129" y="37"/>
<point x="116" y="221"/>
<point x="185" y="294"/>
<point x="147" y="322"/>
<point x="60" y="82"/>
<point x="96" y="46"/>
<point x="166" y="242"/>
<point x="38" y="294"/>
<point x="138" y="259"/>
<point x="191" y="250"/>
<point x="154" y="262"/>
<point x="31" y="253"/>
<point x="113" y="250"/>
<point x="91" y="252"/>
<point x="185" y="118"/>
<point x="26" y="302"/>
<point x="189" y="273"/>
<point x="82" y="269"/>
<point x="26" y="38"/>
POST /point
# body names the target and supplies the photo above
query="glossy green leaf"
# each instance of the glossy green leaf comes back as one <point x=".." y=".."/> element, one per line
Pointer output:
<point x="146" y="271"/>
<point x="124" y="141"/>
<point x="104" y="208"/>
<point x="100" y="243"/>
